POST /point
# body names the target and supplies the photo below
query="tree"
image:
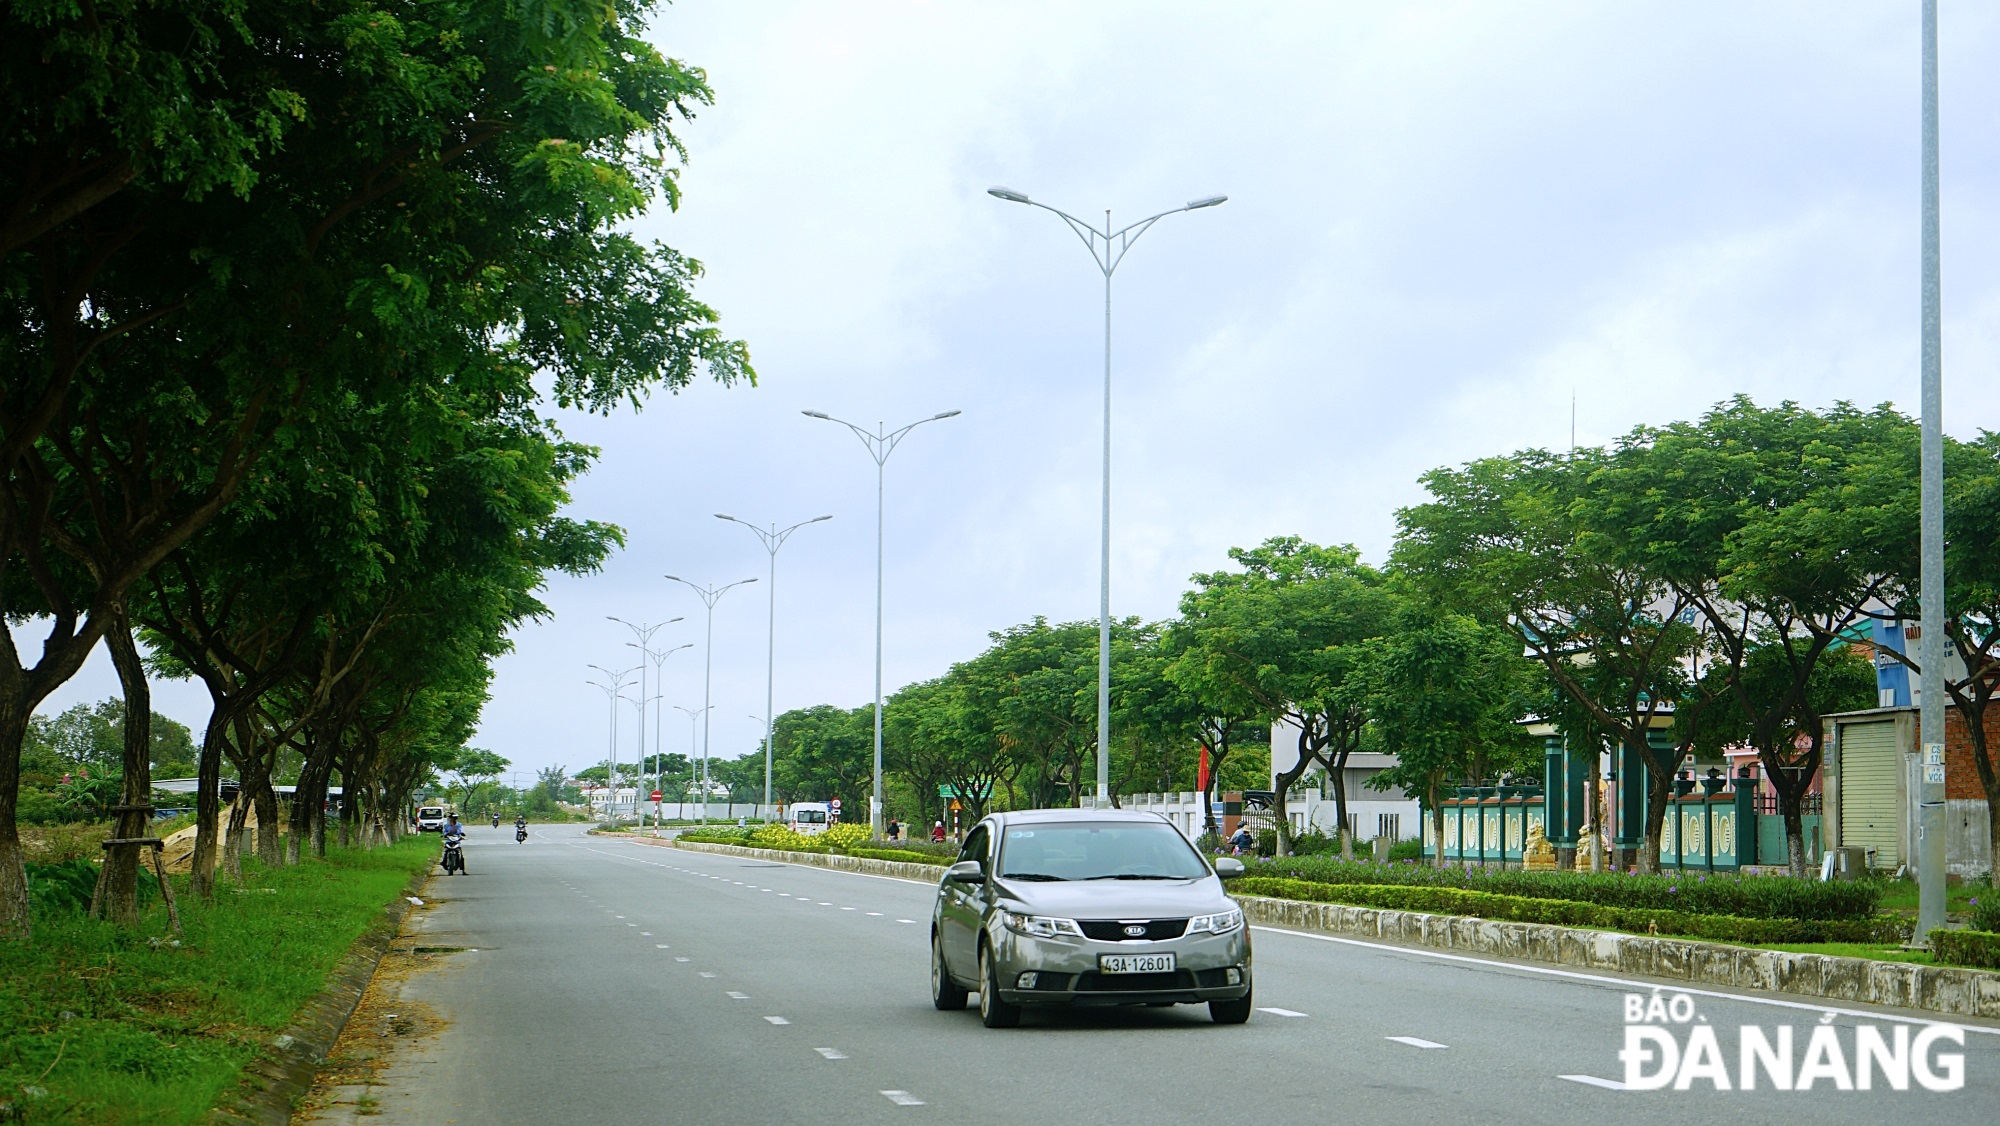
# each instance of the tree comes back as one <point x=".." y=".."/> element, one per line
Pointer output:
<point x="1287" y="631"/>
<point x="1440" y="692"/>
<point x="1780" y="528"/>
<point x="472" y="766"/>
<point x="1513" y="542"/>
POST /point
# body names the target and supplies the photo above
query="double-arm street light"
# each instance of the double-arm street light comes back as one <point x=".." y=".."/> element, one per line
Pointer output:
<point x="613" y="692"/>
<point x="693" y="714"/>
<point x="880" y="445"/>
<point x="773" y="539"/>
<point x="644" y="634"/>
<point x="1107" y="248"/>
<point x="709" y="595"/>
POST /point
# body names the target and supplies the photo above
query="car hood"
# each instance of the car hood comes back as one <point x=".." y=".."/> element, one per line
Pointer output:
<point x="1118" y="899"/>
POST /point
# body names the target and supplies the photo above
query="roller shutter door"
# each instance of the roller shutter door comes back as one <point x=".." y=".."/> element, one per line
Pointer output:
<point x="1869" y="807"/>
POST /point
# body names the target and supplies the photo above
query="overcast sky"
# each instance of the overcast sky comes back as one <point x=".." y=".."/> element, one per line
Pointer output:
<point x="1444" y="221"/>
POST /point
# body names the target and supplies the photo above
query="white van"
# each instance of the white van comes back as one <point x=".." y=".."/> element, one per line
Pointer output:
<point x="430" y="819"/>
<point x="808" y="817"/>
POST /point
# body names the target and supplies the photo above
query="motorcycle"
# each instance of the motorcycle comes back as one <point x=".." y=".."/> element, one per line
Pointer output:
<point x="454" y="856"/>
<point x="520" y="835"/>
<point x="496" y="821"/>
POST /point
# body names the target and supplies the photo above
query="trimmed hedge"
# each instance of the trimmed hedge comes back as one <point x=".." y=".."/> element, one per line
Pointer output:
<point x="1750" y="897"/>
<point x="901" y="855"/>
<point x="1571" y="913"/>
<point x="1980" y="949"/>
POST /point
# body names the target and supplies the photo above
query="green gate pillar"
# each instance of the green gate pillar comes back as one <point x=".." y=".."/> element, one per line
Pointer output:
<point x="1746" y="817"/>
<point x="1631" y="800"/>
<point x="1555" y="816"/>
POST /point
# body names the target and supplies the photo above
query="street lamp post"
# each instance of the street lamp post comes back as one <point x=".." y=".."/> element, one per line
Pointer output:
<point x="659" y="657"/>
<point x="1931" y="593"/>
<point x="880" y="445"/>
<point x="709" y="595"/>
<point x="1107" y="248"/>
<point x="773" y="539"/>
<point x="644" y="634"/>
<point x="612" y="693"/>
<point x="693" y="714"/>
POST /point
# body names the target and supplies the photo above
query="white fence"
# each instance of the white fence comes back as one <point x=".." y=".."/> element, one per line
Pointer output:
<point x="1183" y="809"/>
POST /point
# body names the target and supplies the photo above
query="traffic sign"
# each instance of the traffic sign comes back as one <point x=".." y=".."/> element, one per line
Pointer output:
<point x="656" y="796"/>
<point x="836" y="805"/>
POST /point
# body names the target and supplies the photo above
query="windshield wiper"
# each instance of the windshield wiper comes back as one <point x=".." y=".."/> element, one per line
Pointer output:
<point x="1043" y="876"/>
<point x="1133" y="876"/>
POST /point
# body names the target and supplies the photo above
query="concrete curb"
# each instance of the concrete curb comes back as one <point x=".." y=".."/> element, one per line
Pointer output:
<point x="277" y="1079"/>
<point x="1950" y="990"/>
<point x="868" y="866"/>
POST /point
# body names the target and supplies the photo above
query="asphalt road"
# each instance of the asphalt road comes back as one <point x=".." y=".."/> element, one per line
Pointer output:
<point x="628" y="983"/>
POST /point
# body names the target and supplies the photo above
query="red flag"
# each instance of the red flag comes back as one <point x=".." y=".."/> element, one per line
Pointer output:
<point x="1201" y="772"/>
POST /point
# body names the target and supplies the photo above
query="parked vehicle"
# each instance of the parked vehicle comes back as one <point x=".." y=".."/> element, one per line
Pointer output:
<point x="430" y="818"/>
<point x="1087" y="907"/>
<point x="809" y="817"/>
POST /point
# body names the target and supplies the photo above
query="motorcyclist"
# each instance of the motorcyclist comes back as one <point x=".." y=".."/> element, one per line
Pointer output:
<point x="454" y="837"/>
<point x="496" y="819"/>
<point x="521" y="821"/>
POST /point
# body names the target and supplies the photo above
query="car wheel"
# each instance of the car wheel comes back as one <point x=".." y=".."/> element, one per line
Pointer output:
<point x="1230" y="1012"/>
<point x="946" y="994"/>
<point x="995" y="1012"/>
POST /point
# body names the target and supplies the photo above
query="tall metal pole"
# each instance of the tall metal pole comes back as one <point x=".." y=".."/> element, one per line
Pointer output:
<point x="773" y="539"/>
<point x="880" y="445"/>
<point x="1114" y="245"/>
<point x="709" y="597"/>
<point x="1931" y="718"/>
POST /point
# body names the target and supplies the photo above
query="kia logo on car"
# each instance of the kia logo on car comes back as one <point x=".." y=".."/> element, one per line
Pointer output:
<point x="1135" y="931"/>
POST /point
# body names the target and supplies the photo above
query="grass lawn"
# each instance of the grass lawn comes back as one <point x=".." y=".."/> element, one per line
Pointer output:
<point x="1901" y="896"/>
<point x="100" y="1025"/>
<point x="1855" y="950"/>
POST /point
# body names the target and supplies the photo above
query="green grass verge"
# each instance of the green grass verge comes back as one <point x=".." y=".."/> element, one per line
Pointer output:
<point x="1569" y="913"/>
<point x="103" y="1025"/>
<point x="1875" y="952"/>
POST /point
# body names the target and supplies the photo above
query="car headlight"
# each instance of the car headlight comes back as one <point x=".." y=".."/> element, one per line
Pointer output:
<point x="1221" y="923"/>
<point x="1039" y="926"/>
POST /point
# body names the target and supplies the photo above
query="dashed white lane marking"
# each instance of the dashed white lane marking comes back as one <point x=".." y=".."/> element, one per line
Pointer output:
<point x="847" y="908"/>
<point x="824" y="903"/>
<point x="777" y="1020"/>
<point x="679" y="959"/>
<point x="902" y="1098"/>
<point x="1416" y="1041"/>
<point x="705" y="973"/>
<point x="1594" y="1081"/>
<point x="617" y="916"/>
<point x="662" y="946"/>
<point x="877" y="914"/>
<point x="906" y="920"/>
<point x="631" y="924"/>
<point x="735" y="996"/>
<point x="645" y="934"/>
<point x="1279" y="1012"/>
<point x="831" y="1053"/>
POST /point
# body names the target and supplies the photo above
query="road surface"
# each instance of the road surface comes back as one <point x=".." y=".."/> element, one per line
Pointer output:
<point x="629" y="983"/>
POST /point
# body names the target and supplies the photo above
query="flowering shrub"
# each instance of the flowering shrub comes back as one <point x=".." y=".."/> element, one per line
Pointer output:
<point x="844" y="836"/>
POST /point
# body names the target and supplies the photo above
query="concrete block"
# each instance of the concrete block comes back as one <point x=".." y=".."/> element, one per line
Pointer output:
<point x="1757" y="969"/>
<point x="1670" y="958"/>
<point x="1607" y="951"/>
<point x="1802" y="973"/>
<point x="1946" y="989"/>
<point x="1844" y="979"/>
<point x="1890" y="983"/>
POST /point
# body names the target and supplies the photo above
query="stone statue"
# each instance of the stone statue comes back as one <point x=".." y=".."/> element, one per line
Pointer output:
<point x="1540" y="856"/>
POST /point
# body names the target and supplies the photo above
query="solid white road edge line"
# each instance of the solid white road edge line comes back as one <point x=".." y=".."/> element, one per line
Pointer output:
<point x="902" y="1098"/>
<point x="1276" y="1012"/>
<point x="1602" y="979"/>
<point x="1416" y="1042"/>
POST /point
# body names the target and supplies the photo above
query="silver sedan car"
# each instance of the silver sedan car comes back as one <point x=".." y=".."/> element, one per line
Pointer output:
<point x="1087" y="907"/>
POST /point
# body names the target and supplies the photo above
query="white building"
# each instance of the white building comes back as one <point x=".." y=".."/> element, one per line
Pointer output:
<point x="1370" y="812"/>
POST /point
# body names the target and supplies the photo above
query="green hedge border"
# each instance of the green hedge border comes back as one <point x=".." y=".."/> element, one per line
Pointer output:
<point x="1978" y="949"/>
<point x="1572" y="913"/>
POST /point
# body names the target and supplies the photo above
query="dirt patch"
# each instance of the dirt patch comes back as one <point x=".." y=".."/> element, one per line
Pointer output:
<point x="383" y="1023"/>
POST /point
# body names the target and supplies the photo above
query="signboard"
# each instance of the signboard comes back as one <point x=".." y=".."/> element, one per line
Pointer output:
<point x="976" y="793"/>
<point x="656" y="795"/>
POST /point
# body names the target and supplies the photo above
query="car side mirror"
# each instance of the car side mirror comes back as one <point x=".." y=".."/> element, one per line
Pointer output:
<point x="1228" y="867"/>
<point x="967" y="872"/>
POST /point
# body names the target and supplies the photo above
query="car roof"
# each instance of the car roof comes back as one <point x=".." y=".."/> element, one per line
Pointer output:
<point x="1045" y="816"/>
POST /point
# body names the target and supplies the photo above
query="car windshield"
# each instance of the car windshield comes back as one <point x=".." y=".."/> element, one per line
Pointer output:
<point x="1112" y="850"/>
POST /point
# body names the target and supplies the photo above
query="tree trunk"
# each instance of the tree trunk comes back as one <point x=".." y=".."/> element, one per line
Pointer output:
<point x="1437" y="820"/>
<point x="208" y="805"/>
<point x="1593" y="798"/>
<point x="232" y="842"/>
<point x="1659" y="790"/>
<point x="119" y="881"/>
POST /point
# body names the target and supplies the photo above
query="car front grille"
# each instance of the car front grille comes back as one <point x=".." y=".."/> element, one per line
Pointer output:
<point x="1134" y="983"/>
<point x="1113" y="930"/>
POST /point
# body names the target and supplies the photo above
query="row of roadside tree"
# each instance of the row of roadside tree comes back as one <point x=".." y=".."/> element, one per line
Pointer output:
<point x="290" y="290"/>
<point x="1718" y="577"/>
